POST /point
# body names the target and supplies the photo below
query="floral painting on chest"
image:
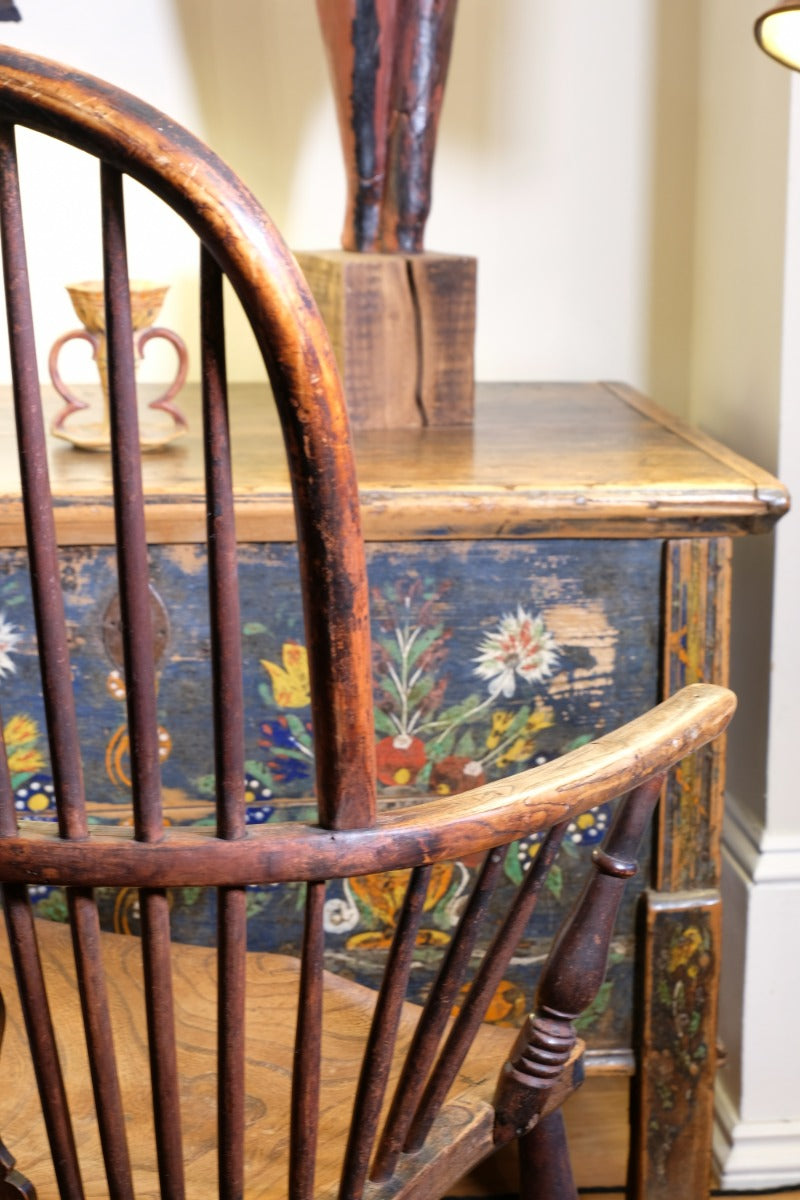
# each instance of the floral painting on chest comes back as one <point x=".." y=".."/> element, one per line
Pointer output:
<point x="488" y="658"/>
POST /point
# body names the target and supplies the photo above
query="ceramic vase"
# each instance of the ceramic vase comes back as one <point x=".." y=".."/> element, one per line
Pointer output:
<point x="92" y="431"/>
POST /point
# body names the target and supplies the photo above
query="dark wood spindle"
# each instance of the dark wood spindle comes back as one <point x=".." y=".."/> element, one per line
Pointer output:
<point x="307" y="1052"/>
<point x="231" y="954"/>
<point x="435" y="1015"/>
<point x="86" y="940"/>
<point x="379" y="1050"/>
<point x="132" y="562"/>
<point x="41" y="1039"/>
<point x="62" y="725"/>
<point x="483" y="987"/>
<point x="139" y="658"/>
<point x="223" y="581"/>
<point x="228" y="702"/>
<point x="545" y="1172"/>
<point x="36" y="1010"/>
<point x="55" y="670"/>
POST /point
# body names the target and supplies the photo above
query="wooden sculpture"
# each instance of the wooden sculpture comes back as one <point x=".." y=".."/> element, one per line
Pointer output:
<point x="402" y="321"/>
<point x="388" y="61"/>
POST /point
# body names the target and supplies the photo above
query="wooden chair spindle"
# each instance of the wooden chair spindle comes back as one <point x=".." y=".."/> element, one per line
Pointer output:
<point x="483" y="987"/>
<point x="435" y="1015"/>
<point x="228" y="705"/>
<point x="381" y="1041"/>
<point x="574" y="971"/>
<point x="307" y="1050"/>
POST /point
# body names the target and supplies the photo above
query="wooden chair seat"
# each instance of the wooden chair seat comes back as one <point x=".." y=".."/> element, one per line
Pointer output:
<point x="272" y="990"/>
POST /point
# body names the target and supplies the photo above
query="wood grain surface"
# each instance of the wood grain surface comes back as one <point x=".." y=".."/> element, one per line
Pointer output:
<point x="272" y="982"/>
<point x="403" y="331"/>
<point x="542" y="460"/>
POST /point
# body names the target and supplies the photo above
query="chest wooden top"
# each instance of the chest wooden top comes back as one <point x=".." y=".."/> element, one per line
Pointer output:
<point x="542" y="460"/>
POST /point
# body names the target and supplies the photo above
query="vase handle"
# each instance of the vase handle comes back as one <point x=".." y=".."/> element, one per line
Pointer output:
<point x="164" y="403"/>
<point x="73" y="402"/>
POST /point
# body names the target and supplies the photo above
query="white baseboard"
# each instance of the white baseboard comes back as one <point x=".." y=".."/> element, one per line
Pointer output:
<point x="756" y="1142"/>
<point x="761" y="856"/>
<point x="753" y="1155"/>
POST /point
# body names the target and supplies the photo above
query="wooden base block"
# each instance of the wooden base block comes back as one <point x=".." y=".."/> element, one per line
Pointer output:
<point x="403" y="331"/>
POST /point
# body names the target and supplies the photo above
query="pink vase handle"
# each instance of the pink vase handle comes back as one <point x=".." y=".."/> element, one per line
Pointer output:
<point x="164" y="403"/>
<point x="73" y="402"/>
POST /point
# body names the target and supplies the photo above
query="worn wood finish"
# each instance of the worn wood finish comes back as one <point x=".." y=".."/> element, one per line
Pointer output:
<point x="388" y="66"/>
<point x="403" y="331"/>
<point x="697" y="587"/>
<point x="597" y="1122"/>
<point x="473" y="1010"/>
<point x="381" y="1042"/>
<point x="304" y="1132"/>
<point x="544" y="1167"/>
<point x="226" y="657"/>
<point x="272" y="988"/>
<point x="520" y="472"/>
<point x="671" y="1143"/>
<point x="137" y="640"/>
<point x="670" y="1151"/>
<point x="37" y="502"/>
<point x="222" y="1086"/>
<point x="43" y="1051"/>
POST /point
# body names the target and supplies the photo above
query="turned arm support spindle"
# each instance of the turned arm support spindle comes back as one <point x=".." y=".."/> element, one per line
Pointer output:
<point x="573" y="973"/>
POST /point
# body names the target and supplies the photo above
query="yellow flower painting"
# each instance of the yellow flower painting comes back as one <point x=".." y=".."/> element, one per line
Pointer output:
<point x="290" y="683"/>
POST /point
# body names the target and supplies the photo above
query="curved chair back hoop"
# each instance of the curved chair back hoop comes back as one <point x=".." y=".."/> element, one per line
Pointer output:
<point x="142" y="142"/>
<point x="267" y="1063"/>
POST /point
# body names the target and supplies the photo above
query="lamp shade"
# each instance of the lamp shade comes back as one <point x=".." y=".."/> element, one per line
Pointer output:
<point x="778" y="34"/>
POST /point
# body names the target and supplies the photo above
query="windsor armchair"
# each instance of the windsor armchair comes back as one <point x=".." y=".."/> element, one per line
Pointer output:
<point x="169" y="1069"/>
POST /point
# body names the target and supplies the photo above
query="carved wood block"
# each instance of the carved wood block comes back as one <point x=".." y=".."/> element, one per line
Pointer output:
<point x="403" y="330"/>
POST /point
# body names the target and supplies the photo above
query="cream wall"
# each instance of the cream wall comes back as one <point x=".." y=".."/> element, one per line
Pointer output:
<point x="735" y="360"/>
<point x="543" y="170"/>
<point x="620" y="171"/>
<point x="744" y="378"/>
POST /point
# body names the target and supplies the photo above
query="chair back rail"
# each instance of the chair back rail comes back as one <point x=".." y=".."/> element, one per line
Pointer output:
<point x="389" y="1125"/>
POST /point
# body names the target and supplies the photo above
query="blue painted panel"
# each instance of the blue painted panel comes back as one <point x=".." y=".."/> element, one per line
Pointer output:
<point x="489" y="656"/>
